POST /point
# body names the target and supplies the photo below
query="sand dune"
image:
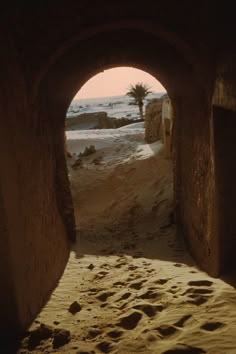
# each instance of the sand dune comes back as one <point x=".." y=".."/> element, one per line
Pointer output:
<point x="130" y="286"/>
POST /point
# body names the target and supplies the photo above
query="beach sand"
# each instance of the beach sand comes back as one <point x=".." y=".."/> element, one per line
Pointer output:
<point x="133" y="286"/>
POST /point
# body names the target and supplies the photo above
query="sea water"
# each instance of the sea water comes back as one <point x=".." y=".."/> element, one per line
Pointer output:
<point x="115" y="106"/>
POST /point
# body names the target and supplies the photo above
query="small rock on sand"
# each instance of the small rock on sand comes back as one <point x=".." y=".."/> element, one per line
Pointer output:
<point x="74" y="308"/>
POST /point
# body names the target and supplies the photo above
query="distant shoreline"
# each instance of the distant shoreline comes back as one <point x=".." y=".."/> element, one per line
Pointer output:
<point x="115" y="106"/>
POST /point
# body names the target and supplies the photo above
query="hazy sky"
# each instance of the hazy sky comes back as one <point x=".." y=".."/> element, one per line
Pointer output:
<point x="114" y="82"/>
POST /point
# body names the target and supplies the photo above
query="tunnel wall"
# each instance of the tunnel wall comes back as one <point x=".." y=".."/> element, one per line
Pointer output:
<point x="194" y="180"/>
<point x="34" y="242"/>
<point x="204" y="160"/>
<point x="224" y="157"/>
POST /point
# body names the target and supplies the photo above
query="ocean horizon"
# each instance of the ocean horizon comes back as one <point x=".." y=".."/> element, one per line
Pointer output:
<point x="115" y="106"/>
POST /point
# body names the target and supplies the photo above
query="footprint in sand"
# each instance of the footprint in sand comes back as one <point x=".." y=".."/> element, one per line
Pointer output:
<point x="137" y="285"/>
<point x="123" y="305"/>
<point x="133" y="276"/>
<point x="131" y="321"/>
<point x="115" y="334"/>
<point x="166" y="330"/>
<point x="119" y="283"/>
<point x="93" y="333"/>
<point x="198" y="300"/>
<point x="162" y="281"/>
<point x="105" y="265"/>
<point x="99" y="276"/>
<point x="150" y="270"/>
<point x="104" y="296"/>
<point x="149" y="310"/>
<point x="104" y="305"/>
<point x="212" y="326"/>
<point x="121" y="263"/>
<point x="132" y="267"/>
<point x="102" y="274"/>
<point x="198" y="291"/>
<point x="196" y="294"/>
<point x="124" y="296"/>
<point x="150" y="294"/>
<point x="151" y="338"/>
<point x="182" y="320"/>
<point x="184" y="349"/>
<point x="200" y="283"/>
<point x="146" y="263"/>
<point x="104" y="347"/>
<point x="94" y="291"/>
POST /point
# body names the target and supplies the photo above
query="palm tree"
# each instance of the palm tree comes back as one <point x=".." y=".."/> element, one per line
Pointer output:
<point x="138" y="92"/>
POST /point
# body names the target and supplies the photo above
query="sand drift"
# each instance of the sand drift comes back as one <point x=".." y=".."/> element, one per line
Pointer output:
<point x="130" y="285"/>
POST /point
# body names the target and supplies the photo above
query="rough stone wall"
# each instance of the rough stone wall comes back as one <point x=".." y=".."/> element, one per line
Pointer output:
<point x="204" y="160"/>
<point x="167" y="125"/>
<point x="158" y="123"/>
<point x="194" y="179"/>
<point x="153" y="121"/>
<point x="113" y="123"/>
<point x="223" y="125"/>
<point x="34" y="240"/>
<point x="61" y="181"/>
<point x="90" y="120"/>
<point x="96" y="120"/>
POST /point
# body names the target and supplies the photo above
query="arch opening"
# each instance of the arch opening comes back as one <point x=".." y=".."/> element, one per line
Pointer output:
<point x="115" y="266"/>
<point x="77" y="65"/>
<point x="104" y="123"/>
<point x="53" y="90"/>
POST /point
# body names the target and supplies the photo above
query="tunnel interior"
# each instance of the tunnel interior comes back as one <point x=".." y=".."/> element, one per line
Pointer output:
<point x="44" y="66"/>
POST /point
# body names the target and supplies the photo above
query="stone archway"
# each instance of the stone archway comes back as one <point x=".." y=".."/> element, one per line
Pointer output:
<point x="189" y="99"/>
<point x="45" y="60"/>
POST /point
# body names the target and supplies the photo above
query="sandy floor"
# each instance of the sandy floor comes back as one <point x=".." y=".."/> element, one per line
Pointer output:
<point x="136" y="288"/>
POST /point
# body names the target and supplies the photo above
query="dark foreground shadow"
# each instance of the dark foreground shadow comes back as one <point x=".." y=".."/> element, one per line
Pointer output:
<point x="161" y="243"/>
